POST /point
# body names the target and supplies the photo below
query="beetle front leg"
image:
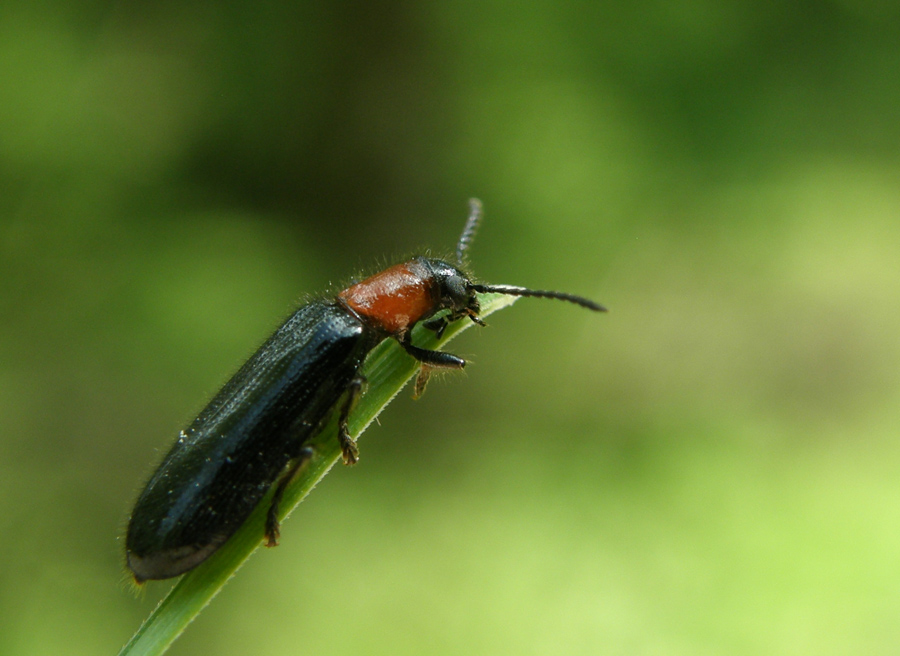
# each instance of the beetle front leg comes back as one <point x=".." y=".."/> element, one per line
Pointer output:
<point x="431" y="358"/>
<point x="439" y="325"/>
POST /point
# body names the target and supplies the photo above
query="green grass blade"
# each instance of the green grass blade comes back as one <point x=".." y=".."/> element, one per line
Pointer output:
<point x="387" y="370"/>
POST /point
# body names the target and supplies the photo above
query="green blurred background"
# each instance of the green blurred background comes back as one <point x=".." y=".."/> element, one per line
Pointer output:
<point x="711" y="468"/>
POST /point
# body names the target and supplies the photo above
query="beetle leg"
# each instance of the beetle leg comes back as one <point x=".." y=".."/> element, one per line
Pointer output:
<point x="440" y="324"/>
<point x="476" y="319"/>
<point x="272" y="528"/>
<point x="422" y="380"/>
<point x="431" y="358"/>
<point x="437" y="325"/>
<point x="349" y="450"/>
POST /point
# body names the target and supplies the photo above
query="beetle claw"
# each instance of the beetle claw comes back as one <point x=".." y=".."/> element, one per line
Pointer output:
<point x="273" y="531"/>
<point x="349" y="450"/>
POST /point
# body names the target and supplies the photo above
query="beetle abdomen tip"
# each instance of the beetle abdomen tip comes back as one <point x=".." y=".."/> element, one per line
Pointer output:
<point x="168" y="563"/>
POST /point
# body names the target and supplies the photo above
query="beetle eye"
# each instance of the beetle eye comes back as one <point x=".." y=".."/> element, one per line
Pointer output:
<point x="456" y="296"/>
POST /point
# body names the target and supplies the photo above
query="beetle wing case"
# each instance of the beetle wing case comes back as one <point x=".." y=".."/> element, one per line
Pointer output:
<point x="225" y="462"/>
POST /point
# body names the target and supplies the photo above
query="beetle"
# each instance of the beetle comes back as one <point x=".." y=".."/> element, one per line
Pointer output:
<point x="256" y="431"/>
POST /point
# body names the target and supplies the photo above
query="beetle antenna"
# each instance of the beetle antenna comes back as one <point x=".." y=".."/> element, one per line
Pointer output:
<point x="511" y="290"/>
<point x="468" y="232"/>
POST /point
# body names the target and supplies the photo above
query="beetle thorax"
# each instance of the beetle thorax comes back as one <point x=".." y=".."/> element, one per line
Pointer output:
<point x="394" y="299"/>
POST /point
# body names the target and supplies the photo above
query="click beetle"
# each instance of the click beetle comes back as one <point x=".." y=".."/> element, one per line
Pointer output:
<point x="255" y="433"/>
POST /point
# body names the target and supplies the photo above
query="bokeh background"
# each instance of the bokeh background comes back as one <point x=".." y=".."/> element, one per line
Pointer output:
<point x="710" y="468"/>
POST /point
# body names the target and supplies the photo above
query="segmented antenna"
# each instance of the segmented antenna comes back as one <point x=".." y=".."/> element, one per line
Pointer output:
<point x="511" y="290"/>
<point x="468" y="232"/>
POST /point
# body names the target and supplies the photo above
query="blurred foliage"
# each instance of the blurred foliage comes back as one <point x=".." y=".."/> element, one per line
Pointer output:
<point x="711" y="468"/>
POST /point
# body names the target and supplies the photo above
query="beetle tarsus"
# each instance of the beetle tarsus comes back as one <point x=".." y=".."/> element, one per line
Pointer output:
<point x="273" y="530"/>
<point x="349" y="449"/>
<point x="476" y="319"/>
<point x="422" y="381"/>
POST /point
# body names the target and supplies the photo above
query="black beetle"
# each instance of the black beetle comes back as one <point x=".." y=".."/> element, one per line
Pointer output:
<point x="255" y="432"/>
